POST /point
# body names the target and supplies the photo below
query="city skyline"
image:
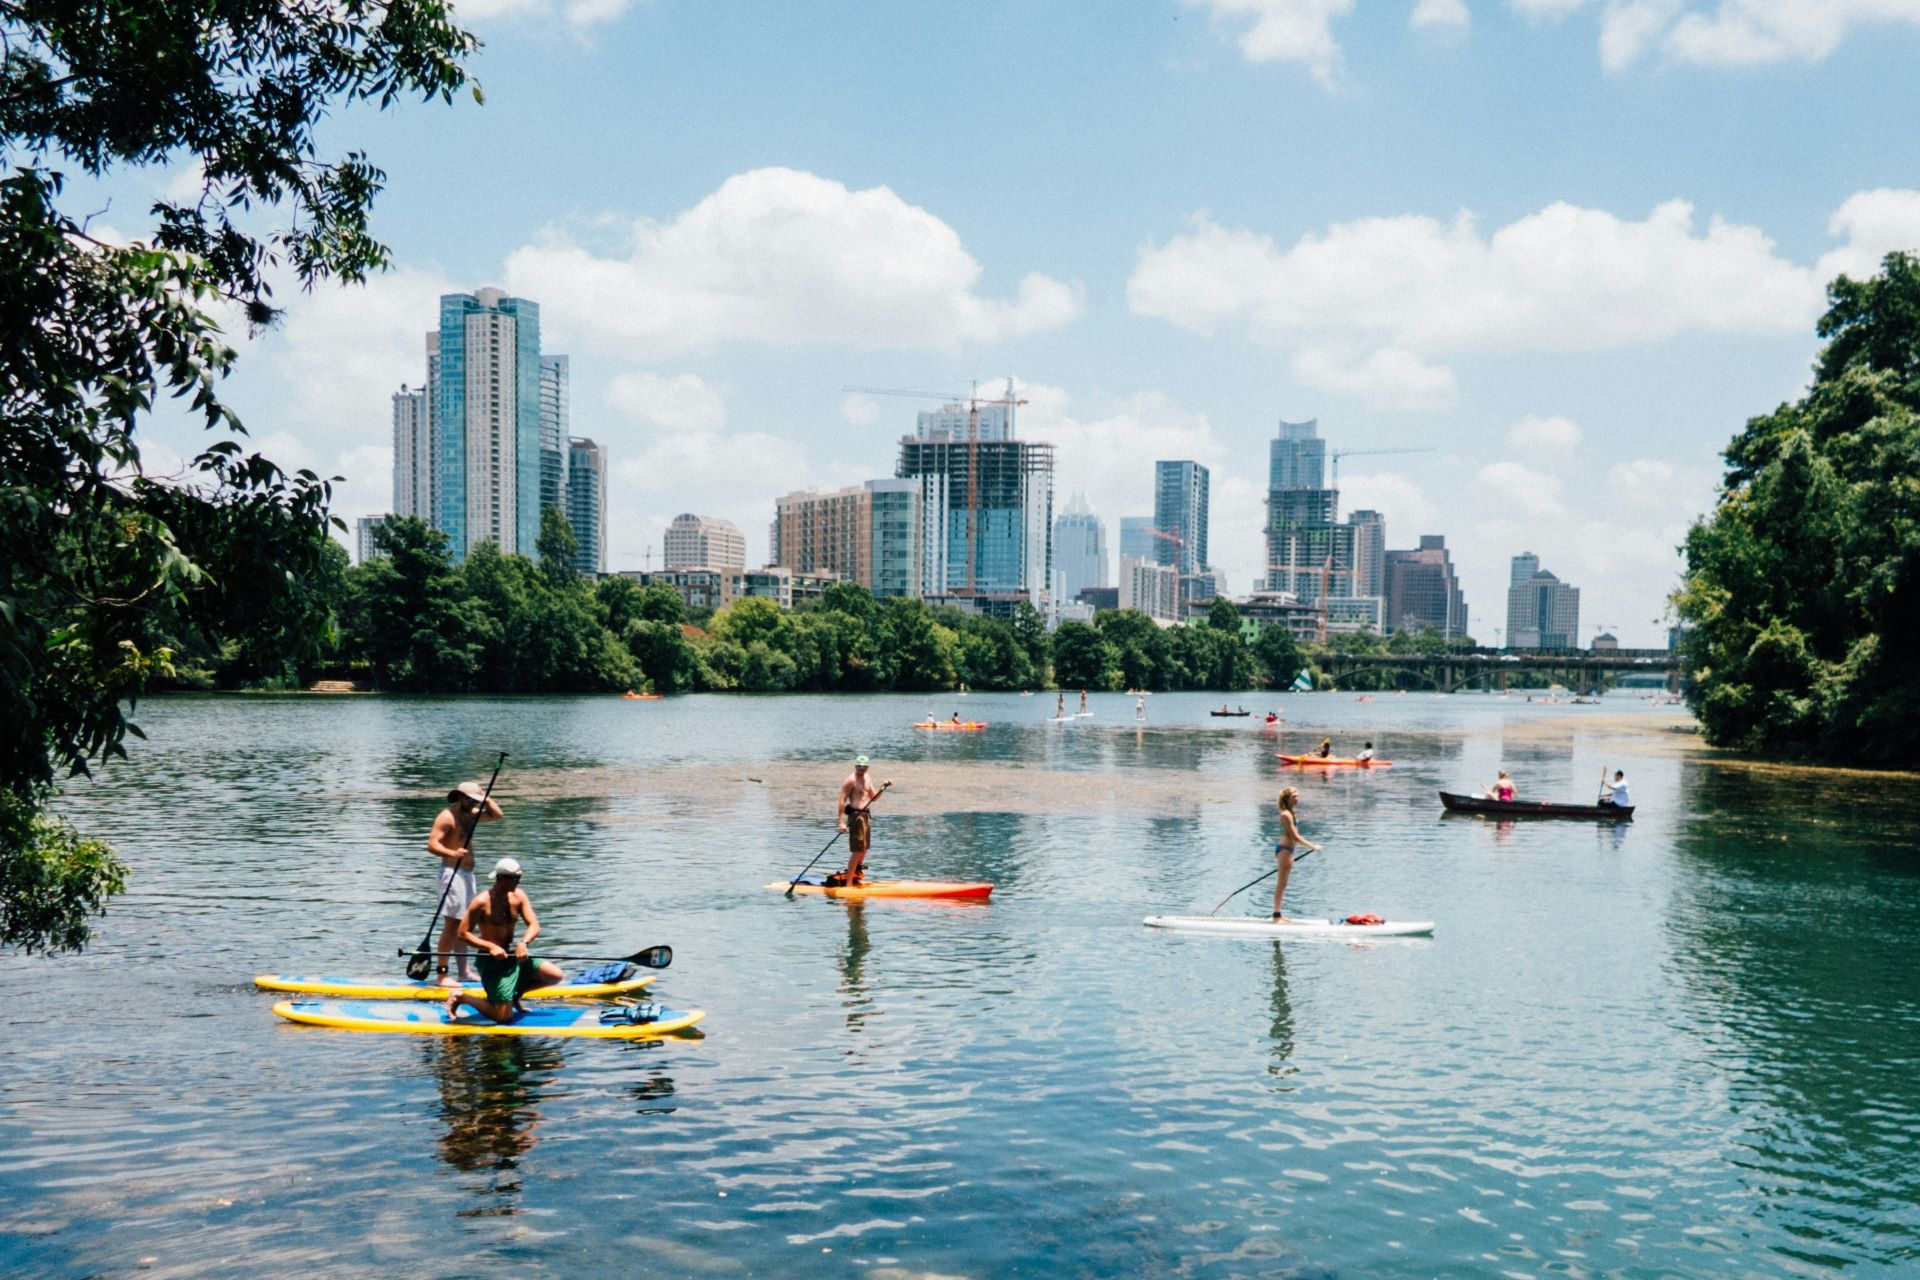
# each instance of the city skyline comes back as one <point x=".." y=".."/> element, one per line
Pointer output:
<point x="1572" y="269"/>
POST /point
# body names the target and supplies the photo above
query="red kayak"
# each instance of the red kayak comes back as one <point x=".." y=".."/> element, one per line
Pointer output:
<point x="1333" y="762"/>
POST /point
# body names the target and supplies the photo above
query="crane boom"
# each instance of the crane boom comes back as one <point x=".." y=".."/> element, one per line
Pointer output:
<point x="1369" y="453"/>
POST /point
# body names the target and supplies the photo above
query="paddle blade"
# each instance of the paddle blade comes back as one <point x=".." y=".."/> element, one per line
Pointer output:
<point x="419" y="965"/>
<point x="652" y="958"/>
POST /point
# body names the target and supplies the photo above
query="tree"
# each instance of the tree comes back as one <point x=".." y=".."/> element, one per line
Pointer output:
<point x="1802" y="590"/>
<point x="420" y="632"/>
<point x="93" y="549"/>
<point x="1276" y="651"/>
<point x="1222" y="616"/>
<point x="556" y="547"/>
<point x="1082" y="659"/>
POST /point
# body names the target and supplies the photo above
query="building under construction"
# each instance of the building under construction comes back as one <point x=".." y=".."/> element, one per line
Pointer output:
<point x="986" y="507"/>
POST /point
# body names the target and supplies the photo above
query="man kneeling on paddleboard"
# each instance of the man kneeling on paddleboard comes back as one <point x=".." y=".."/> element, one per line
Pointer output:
<point x="507" y="971"/>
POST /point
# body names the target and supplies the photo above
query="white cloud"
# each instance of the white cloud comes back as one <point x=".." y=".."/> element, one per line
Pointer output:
<point x="1286" y="31"/>
<point x="682" y="403"/>
<point x="344" y="351"/>
<point x="1387" y="294"/>
<point x="1408" y="511"/>
<point x="1544" y="9"/>
<point x="1545" y="435"/>
<point x="1515" y="487"/>
<point x="1384" y="379"/>
<point x="777" y="255"/>
<point x="1727" y="33"/>
<point x="1440" y="13"/>
<point x="577" y="14"/>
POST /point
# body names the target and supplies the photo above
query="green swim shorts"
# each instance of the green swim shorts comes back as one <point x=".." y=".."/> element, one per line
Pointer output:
<point x="505" y="977"/>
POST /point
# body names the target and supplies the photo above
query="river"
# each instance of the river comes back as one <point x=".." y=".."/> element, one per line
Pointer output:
<point x="1688" y="1046"/>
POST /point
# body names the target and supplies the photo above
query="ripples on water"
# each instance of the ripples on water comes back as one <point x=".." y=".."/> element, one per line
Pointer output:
<point x="1683" y="1048"/>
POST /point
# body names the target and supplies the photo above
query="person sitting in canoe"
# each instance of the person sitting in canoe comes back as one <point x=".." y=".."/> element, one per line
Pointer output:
<point x="1502" y="788"/>
<point x="857" y="795"/>
<point x="1366" y="754"/>
<point x="1326" y="749"/>
<point x="507" y="970"/>
<point x="1613" y="795"/>
<point x="1290" y="839"/>
<point x="448" y="841"/>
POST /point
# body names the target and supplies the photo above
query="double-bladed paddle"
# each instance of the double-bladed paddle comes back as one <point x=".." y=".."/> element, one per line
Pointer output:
<point x="422" y="962"/>
<point x="829" y="844"/>
<point x="648" y="958"/>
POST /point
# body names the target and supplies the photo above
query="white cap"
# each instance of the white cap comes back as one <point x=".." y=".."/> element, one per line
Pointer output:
<point x="505" y="867"/>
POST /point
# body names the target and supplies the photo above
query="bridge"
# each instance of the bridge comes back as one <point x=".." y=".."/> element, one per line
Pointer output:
<point x="1491" y="668"/>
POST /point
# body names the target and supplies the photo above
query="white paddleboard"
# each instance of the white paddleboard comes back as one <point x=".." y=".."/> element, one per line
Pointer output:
<point x="1249" y="927"/>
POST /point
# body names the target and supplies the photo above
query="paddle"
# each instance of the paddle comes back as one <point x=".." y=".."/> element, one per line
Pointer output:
<point x="648" y="958"/>
<point x="1249" y="884"/>
<point x="1604" y="793"/>
<point x="422" y="962"/>
<point x="836" y="838"/>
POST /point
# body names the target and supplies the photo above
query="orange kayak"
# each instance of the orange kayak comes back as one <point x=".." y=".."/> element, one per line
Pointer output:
<point x="965" y="726"/>
<point x="974" y="890"/>
<point x="1333" y="762"/>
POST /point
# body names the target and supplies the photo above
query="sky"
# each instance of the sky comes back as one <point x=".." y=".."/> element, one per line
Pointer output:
<point x="1535" y="262"/>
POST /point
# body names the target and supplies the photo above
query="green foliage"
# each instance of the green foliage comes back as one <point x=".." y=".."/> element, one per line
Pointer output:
<point x="107" y="571"/>
<point x="1802" y="590"/>
<point x="1279" y="655"/>
<point x="1082" y="659"/>
<point x="1222" y="616"/>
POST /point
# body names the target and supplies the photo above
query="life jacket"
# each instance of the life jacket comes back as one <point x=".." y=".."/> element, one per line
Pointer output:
<point x="1366" y="918"/>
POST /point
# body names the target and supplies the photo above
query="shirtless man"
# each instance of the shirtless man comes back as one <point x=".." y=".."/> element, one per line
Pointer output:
<point x="857" y="795"/>
<point x="450" y="841"/>
<point x="506" y="970"/>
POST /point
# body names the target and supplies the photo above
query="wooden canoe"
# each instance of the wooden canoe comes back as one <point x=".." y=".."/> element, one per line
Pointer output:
<point x="1534" y="808"/>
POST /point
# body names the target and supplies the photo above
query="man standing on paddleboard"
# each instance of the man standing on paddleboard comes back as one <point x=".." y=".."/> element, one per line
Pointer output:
<point x="857" y="795"/>
<point x="1290" y="839"/>
<point x="449" y="841"/>
<point x="507" y="971"/>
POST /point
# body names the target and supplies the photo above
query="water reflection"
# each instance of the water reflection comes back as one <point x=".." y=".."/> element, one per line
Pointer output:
<point x="489" y="1090"/>
<point x="855" y="998"/>
<point x="1280" y="1063"/>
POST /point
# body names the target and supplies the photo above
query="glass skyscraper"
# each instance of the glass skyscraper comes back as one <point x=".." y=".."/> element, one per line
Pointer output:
<point x="1079" y="549"/>
<point x="1180" y="512"/>
<point x="986" y="505"/>
<point x="586" y="503"/>
<point x="486" y="420"/>
<point x="554" y="424"/>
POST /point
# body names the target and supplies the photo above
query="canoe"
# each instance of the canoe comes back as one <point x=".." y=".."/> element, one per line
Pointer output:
<point x="1534" y="808"/>
<point x="1333" y="762"/>
<point x="581" y="1021"/>
<point x="642" y="697"/>
<point x="1229" y="713"/>
<point x="400" y="989"/>
<point x="965" y="726"/>
<point x="971" y="890"/>
<point x="1252" y="927"/>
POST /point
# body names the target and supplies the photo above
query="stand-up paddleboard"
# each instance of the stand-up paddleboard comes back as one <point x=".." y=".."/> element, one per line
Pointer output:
<point x="581" y="1021"/>
<point x="400" y="989"/>
<point x="968" y="890"/>
<point x="1333" y="762"/>
<point x="1249" y="927"/>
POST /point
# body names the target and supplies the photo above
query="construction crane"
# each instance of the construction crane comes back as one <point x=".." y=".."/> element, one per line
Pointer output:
<point x="1366" y="453"/>
<point x="973" y="400"/>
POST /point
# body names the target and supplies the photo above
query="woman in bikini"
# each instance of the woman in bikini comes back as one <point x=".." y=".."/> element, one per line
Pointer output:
<point x="1290" y="839"/>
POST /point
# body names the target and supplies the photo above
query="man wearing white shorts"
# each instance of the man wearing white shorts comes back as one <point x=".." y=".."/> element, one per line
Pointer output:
<point x="449" y="841"/>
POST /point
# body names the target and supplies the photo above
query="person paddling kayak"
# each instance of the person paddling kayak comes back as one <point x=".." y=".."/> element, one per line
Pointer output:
<point x="507" y="970"/>
<point x="857" y="795"/>
<point x="1290" y="839"/>
<point x="1325" y="751"/>
<point x="1614" y="794"/>
<point x="449" y="841"/>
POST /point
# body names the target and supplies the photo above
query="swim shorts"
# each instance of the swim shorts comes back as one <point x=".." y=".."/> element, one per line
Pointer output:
<point x="460" y="895"/>
<point x="859" y="830"/>
<point x="506" y="977"/>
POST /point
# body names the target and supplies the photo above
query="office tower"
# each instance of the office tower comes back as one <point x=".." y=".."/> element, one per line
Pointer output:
<point x="555" y="445"/>
<point x="701" y="542"/>
<point x="1297" y="457"/>
<point x="586" y="504"/>
<point x="1150" y="587"/>
<point x="865" y="533"/>
<point x="412" y="455"/>
<point x="486" y="421"/>
<point x="1180" y="514"/>
<point x="1542" y="611"/>
<point x="986" y="506"/>
<point x="1079" y="549"/>
<point x="1369" y="553"/>
<point x="1422" y="591"/>
<point x="1308" y="553"/>
<point x="1137" y="540"/>
<point x="364" y="550"/>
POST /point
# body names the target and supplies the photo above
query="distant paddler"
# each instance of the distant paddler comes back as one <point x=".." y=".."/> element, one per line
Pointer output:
<point x="1325" y="749"/>
<point x="1083" y="702"/>
<point x="1060" y="705"/>
<point x="857" y="795"/>
<point x="507" y="971"/>
<point x="1613" y="795"/>
<point x="467" y="805"/>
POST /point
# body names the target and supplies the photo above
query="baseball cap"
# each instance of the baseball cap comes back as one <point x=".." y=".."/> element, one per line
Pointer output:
<point x="505" y="867"/>
<point x="859" y="762"/>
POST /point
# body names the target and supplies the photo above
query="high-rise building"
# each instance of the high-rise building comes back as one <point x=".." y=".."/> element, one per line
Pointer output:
<point x="1180" y="513"/>
<point x="1150" y="587"/>
<point x="1422" y="591"/>
<point x="486" y="421"/>
<point x="367" y="526"/>
<point x="1308" y="554"/>
<point x="1542" y="611"/>
<point x="1137" y="539"/>
<point x="701" y="542"/>
<point x="1079" y="550"/>
<point x="986" y="506"/>
<point x="555" y="443"/>
<point x="1369" y="553"/>
<point x="412" y="455"/>
<point x="586" y="504"/>
<point x="1297" y="457"/>
<point x="865" y="533"/>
